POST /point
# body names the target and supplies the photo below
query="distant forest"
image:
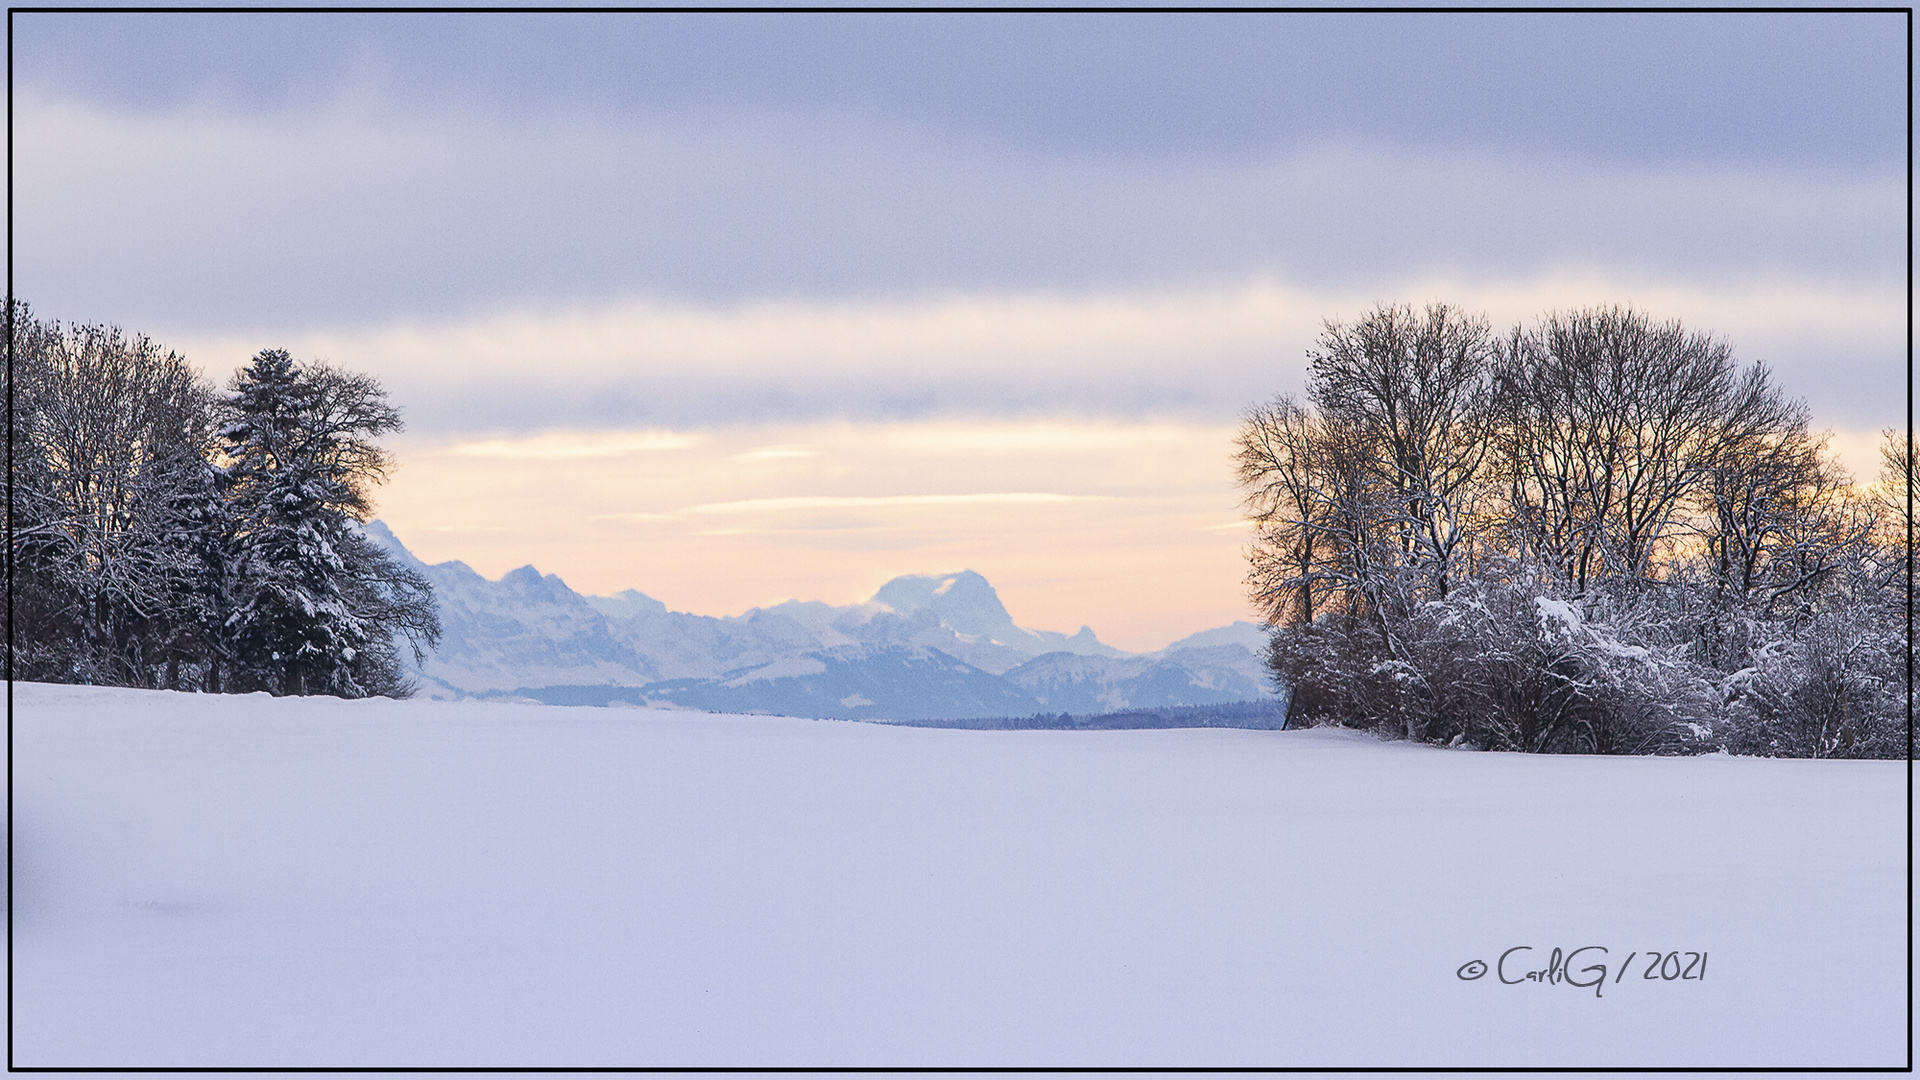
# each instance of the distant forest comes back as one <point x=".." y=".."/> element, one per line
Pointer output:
<point x="1269" y="715"/>
<point x="165" y="534"/>
<point x="1596" y="533"/>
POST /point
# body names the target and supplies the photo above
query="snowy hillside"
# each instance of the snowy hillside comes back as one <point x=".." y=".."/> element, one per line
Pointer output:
<point x="528" y="635"/>
<point x="1063" y="682"/>
<point x="856" y="682"/>
<point x="246" y="881"/>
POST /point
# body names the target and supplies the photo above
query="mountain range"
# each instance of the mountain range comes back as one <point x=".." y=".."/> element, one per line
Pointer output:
<point x="924" y="647"/>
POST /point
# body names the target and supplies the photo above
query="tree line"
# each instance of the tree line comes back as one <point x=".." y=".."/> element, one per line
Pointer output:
<point x="1265" y="715"/>
<point x="165" y="534"/>
<point x="1596" y="533"/>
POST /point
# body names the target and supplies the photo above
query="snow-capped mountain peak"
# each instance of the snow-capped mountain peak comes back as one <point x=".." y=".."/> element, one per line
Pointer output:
<point x="963" y="601"/>
<point x="626" y="604"/>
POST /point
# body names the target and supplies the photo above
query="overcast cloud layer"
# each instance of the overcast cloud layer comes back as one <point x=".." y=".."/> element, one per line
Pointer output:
<point x="361" y="220"/>
<point x="363" y="211"/>
<point x="1198" y="354"/>
<point x="1821" y="90"/>
<point x="268" y="175"/>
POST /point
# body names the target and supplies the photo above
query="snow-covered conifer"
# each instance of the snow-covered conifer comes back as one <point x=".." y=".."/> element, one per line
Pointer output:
<point x="313" y="606"/>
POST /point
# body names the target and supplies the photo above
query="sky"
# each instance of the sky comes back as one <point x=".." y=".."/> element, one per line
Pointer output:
<point x="736" y="308"/>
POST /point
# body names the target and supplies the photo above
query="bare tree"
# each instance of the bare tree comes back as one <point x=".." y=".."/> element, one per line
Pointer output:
<point x="1411" y="390"/>
<point x="1895" y="493"/>
<point x="1609" y="424"/>
<point x="109" y="452"/>
<point x="1279" y="461"/>
<point x="1369" y="495"/>
<point x="1324" y="516"/>
<point x="1780" y="518"/>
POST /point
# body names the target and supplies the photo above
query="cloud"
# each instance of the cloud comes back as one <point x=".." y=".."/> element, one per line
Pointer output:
<point x="856" y="502"/>
<point x="361" y="213"/>
<point x="561" y="446"/>
<point x="1751" y="88"/>
<point x="514" y="273"/>
<point x="1185" y="353"/>
<point x="777" y="453"/>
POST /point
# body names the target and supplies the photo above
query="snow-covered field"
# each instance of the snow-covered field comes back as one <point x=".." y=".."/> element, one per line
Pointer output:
<point x="254" y="882"/>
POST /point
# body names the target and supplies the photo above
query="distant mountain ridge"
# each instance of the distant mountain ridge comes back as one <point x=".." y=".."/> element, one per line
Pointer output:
<point x="925" y="647"/>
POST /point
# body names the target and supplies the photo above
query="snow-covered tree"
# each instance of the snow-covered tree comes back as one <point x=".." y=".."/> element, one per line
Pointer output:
<point x="1409" y="390"/>
<point x="1364" y="501"/>
<point x="312" y="605"/>
<point x="110" y="475"/>
<point x="1609" y="538"/>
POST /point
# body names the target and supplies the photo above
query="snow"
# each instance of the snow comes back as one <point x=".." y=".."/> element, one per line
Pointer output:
<point x="1559" y="613"/>
<point x="784" y="668"/>
<point x="1250" y="636"/>
<point x="1564" y="618"/>
<point x="249" y="881"/>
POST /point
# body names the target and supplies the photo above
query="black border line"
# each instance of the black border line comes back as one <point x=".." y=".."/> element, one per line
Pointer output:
<point x="878" y="10"/>
<point x="944" y="9"/>
<point x="1909" y="540"/>
<point x="8" y="555"/>
<point x="993" y="1069"/>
